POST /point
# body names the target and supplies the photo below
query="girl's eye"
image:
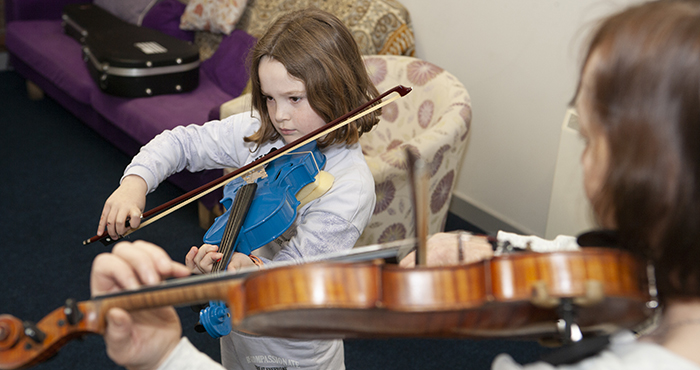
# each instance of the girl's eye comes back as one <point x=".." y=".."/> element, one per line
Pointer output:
<point x="268" y="98"/>
<point x="295" y="99"/>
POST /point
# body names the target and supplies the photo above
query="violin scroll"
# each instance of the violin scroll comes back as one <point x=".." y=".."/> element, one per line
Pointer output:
<point x="10" y="329"/>
<point x="24" y="344"/>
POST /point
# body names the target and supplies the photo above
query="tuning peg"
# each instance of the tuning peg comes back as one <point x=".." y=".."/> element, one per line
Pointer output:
<point x="31" y="331"/>
<point x="73" y="314"/>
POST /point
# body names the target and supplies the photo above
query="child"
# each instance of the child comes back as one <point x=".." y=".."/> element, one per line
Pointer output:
<point x="305" y="71"/>
<point x="639" y="104"/>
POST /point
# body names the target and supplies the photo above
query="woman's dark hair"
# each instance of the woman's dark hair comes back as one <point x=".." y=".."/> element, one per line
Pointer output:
<point x="645" y="95"/>
<point x="316" y="48"/>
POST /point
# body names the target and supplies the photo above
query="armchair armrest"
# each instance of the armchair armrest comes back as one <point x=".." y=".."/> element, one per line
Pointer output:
<point x="16" y="10"/>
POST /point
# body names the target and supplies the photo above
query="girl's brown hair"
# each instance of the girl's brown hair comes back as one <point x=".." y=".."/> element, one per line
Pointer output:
<point x="646" y="98"/>
<point x="316" y="48"/>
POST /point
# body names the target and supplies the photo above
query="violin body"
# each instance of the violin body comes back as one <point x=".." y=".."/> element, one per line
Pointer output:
<point x="274" y="207"/>
<point x="513" y="296"/>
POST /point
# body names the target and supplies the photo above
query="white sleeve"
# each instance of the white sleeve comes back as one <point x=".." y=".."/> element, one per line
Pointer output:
<point x="213" y="145"/>
<point x="537" y="244"/>
<point x="186" y="357"/>
<point x="319" y="233"/>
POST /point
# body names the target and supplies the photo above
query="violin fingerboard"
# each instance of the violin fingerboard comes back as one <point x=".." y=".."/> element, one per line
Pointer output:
<point x="239" y="210"/>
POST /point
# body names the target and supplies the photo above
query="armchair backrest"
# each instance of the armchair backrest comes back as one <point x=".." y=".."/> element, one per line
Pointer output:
<point x="432" y="121"/>
<point x="379" y="26"/>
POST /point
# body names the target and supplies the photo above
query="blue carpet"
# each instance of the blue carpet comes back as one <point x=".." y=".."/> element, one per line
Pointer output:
<point x="56" y="175"/>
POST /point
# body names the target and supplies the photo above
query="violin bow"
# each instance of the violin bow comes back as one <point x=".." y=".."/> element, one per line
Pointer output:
<point x="418" y="175"/>
<point x="165" y="209"/>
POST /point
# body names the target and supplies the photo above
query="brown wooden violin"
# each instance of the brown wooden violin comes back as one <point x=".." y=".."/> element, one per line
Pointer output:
<point x="515" y="295"/>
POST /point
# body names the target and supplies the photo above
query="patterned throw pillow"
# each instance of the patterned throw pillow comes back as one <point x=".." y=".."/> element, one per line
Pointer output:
<point x="217" y="16"/>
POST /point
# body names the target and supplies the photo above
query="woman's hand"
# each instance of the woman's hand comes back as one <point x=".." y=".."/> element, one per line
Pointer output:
<point x="444" y="250"/>
<point x="141" y="339"/>
<point x="125" y="204"/>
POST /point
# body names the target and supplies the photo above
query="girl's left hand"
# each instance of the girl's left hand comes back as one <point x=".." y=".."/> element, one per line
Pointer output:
<point x="201" y="260"/>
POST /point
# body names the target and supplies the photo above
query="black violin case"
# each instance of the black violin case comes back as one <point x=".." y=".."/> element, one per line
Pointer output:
<point x="128" y="60"/>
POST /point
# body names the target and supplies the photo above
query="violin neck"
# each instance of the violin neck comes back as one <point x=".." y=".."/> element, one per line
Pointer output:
<point x="180" y="292"/>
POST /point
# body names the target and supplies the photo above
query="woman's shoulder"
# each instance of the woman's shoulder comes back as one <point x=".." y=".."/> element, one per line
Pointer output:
<point x="623" y="353"/>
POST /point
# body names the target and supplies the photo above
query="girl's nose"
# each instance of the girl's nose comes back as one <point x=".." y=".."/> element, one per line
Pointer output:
<point x="282" y="113"/>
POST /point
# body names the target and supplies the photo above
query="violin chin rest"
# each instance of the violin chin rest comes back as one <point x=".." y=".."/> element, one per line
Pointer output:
<point x="320" y="186"/>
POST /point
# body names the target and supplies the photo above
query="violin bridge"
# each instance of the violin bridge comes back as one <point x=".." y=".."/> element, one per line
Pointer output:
<point x="254" y="175"/>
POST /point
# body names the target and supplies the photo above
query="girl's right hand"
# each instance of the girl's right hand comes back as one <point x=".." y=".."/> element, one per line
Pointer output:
<point x="201" y="260"/>
<point x="125" y="204"/>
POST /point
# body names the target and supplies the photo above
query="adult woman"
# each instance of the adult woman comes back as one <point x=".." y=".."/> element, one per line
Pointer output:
<point x="639" y="104"/>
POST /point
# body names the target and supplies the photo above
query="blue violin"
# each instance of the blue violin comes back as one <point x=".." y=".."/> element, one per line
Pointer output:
<point x="260" y="207"/>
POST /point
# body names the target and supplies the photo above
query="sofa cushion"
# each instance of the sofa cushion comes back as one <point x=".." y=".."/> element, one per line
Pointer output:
<point x="44" y="46"/>
<point x="144" y="118"/>
<point x="227" y="67"/>
<point x="165" y="17"/>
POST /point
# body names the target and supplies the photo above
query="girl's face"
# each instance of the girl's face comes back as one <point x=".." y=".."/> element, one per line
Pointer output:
<point x="596" y="155"/>
<point x="287" y="104"/>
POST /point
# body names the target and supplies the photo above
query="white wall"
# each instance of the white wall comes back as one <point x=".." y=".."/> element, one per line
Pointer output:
<point x="519" y="59"/>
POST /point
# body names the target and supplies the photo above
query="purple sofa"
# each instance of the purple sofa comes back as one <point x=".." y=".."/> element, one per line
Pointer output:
<point x="43" y="54"/>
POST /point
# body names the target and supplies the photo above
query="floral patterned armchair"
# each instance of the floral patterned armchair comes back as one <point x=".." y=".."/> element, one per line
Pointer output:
<point x="433" y="121"/>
